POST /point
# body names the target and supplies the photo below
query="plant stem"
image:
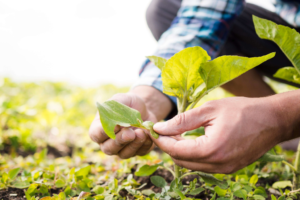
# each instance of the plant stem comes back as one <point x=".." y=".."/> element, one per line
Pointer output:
<point x="181" y="106"/>
<point x="296" y="179"/>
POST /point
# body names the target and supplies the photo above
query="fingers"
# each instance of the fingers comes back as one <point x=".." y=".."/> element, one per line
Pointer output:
<point x="139" y="145"/>
<point x="188" y="150"/>
<point x="123" y="137"/>
<point x="186" y="121"/>
<point x="96" y="131"/>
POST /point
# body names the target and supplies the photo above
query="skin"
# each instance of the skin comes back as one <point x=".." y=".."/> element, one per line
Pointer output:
<point x="236" y="134"/>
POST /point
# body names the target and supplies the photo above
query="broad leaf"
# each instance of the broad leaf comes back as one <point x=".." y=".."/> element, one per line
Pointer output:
<point x="261" y="191"/>
<point x="98" y="189"/>
<point x="258" y="197"/>
<point x="253" y="179"/>
<point x="241" y="194"/>
<point x="21" y="184"/>
<point x="268" y="157"/>
<point x="84" y="171"/>
<point x="196" y="191"/>
<point x="225" y="68"/>
<point x="221" y="192"/>
<point x="180" y="75"/>
<point x="286" y="38"/>
<point x="158" y="181"/>
<point x="289" y="74"/>
<point x="146" y="170"/>
<point x="113" y="113"/>
<point x="13" y="173"/>
<point x="210" y="179"/>
<point x="158" y="61"/>
<point x="60" y="183"/>
<point x="282" y="184"/>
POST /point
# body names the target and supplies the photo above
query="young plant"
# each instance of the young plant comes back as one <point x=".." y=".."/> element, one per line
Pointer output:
<point x="188" y="75"/>
<point x="288" y="41"/>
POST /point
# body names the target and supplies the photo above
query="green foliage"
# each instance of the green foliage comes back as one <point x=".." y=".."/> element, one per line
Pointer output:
<point x="113" y="113"/>
<point x="147" y="170"/>
<point x="286" y="38"/>
<point x="289" y="74"/>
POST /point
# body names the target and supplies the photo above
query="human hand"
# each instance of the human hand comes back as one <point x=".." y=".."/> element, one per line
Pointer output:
<point x="129" y="141"/>
<point x="238" y="131"/>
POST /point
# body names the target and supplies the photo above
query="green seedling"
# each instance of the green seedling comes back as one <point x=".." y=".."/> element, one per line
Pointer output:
<point x="288" y="41"/>
<point x="188" y="75"/>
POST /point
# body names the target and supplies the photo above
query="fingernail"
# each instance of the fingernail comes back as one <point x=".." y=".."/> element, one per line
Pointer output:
<point x="159" y="126"/>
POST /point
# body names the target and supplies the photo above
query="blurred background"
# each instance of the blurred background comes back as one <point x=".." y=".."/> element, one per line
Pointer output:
<point x="88" y="42"/>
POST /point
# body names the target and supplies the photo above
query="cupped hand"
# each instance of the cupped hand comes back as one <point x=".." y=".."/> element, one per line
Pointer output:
<point x="238" y="131"/>
<point x="129" y="142"/>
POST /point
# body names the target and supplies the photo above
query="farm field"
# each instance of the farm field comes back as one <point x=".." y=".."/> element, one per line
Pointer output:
<point x="46" y="153"/>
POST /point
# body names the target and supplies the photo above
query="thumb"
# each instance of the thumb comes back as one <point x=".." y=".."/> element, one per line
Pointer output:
<point x="186" y="121"/>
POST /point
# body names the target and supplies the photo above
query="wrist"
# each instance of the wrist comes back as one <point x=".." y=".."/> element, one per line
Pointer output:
<point x="286" y="108"/>
<point x="156" y="102"/>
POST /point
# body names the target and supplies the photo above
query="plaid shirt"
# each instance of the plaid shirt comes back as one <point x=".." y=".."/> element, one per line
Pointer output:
<point x="204" y="23"/>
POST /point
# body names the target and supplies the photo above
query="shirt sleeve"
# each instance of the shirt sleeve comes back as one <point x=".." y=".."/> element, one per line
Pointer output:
<point x="204" y="23"/>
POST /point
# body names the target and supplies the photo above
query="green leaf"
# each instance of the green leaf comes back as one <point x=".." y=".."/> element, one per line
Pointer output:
<point x="261" y="191"/>
<point x="98" y="189"/>
<point x="258" y="197"/>
<point x="4" y="178"/>
<point x="268" y="157"/>
<point x="83" y="171"/>
<point x="253" y="179"/>
<point x="62" y="196"/>
<point x="196" y="191"/>
<point x="225" y="68"/>
<point x="13" y="173"/>
<point x="289" y="74"/>
<point x="113" y="113"/>
<point x="221" y="192"/>
<point x="149" y="125"/>
<point x="214" y="196"/>
<point x="236" y="186"/>
<point x="32" y="188"/>
<point x="179" y="193"/>
<point x="281" y="198"/>
<point x="286" y="38"/>
<point x="67" y="191"/>
<point x="282" y="184"/>
<point x="148" y="192"/>
<point x="59" y="183"/>
<point x="180" y="76"/>
<point x="43" y="189"/>
<point x="158" y="61"/>
<point x="241" y="194"/>
<point x="273" y="197"/>
<point x="210" y="179"/>
<point x="158" y="181"/>
<point x="146" y="170"/>
<point x="21" y="184"/>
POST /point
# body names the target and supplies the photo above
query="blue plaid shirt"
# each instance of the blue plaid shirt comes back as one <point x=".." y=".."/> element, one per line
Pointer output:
<point x="204" y="23"/>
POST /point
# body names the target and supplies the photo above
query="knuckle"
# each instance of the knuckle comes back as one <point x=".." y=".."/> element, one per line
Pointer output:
<point x="122" y="156"/>
<point x="106" y="149"/>
<point x="209" y="106"/>
<point x="179" y="119"/>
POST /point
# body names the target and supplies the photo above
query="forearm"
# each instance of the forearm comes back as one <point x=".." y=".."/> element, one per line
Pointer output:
<point x="156" y="102"/>
<point x="287" y="106"/>
<point x="250" y="84"/>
